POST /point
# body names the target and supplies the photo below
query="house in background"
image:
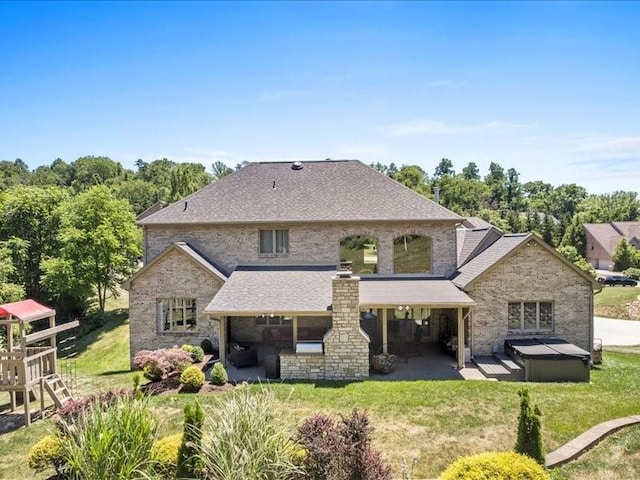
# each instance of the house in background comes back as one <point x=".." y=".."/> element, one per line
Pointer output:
<point x="329" y="262"/>
<point x="603" y="238"/>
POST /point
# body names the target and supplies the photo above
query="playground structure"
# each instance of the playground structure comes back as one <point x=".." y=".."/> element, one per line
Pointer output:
<point x="31" y="362"/>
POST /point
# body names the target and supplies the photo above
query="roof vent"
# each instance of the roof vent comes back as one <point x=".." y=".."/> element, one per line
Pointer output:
<point x="296" y="166"/>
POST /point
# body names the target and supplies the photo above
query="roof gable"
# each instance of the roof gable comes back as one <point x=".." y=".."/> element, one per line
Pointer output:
<point x="323" y="191"/>
<point x="471" y="242"/>
<point x="502" y="249"/>
<point x="608" y="235"/>
<point x="184" y="249"/>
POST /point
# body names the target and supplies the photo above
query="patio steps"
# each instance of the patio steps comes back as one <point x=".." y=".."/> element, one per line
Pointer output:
<point x="500" y="367"/>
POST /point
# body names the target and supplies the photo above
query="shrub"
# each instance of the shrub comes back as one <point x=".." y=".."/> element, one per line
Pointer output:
<point x="68" y="414"/>
<point x="219" y="374"/>
<point x="192" y="379"/>
<point x="164" y="455"/>
<point x="114" y="438"/>
<point x="207" y="346"/>
<point x="158" y="364"/>
<point x="341" y="450"/>
<point x="529" y="440"/>
<point x="632" y="273"/>
<point x="189" y="464"/>
<point x="197" y="354"/>
<point x="496" y="466"/>
<point x="47" y="453"/>
<point x="247" y="440"/>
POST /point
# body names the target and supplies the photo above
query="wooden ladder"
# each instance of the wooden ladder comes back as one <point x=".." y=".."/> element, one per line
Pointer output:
<point x="57" y="389"/>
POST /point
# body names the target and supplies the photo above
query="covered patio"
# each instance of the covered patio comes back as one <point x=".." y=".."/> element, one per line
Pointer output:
<point x="313" y="320"/>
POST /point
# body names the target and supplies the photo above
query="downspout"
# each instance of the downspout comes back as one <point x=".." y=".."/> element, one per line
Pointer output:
<point x="592" y="322"/>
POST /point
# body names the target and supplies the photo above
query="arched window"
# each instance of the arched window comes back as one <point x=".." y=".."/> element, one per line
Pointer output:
<point x="412" y="254"/>
<point x="361" y="251"/>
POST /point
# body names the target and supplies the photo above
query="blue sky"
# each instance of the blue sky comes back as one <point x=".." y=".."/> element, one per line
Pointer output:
<point x="550" y="89"/>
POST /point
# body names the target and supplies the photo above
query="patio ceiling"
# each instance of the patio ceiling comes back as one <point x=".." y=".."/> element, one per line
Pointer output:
<point x="281" y="290"/>
<point x="391" y="292"/>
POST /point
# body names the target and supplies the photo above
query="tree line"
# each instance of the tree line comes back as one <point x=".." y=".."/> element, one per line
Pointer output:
<point x="68" y="234"/>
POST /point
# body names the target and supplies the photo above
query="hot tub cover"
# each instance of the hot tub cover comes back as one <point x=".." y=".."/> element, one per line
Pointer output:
<point x="545" y="348"/>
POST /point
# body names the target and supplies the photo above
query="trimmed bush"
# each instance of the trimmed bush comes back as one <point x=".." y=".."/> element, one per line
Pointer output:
<point x="197" y="354"/>
<point x="47" y="453"/>
<point x="192" y="379"/>
<point x="632" y="273"/>
<point x="219" y="374"/>
<point x="495" y="466"/>
<point x="189" y="464"/>
<point x="159" y="364"/>
<point x="164" y="455"/>
<point x="529" y="440"/>
<point x="207" y="346"/>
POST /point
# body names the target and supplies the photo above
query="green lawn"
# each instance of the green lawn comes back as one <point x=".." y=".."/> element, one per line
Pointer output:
<point x="611" y="301"/>
<point x="435" y="421"/>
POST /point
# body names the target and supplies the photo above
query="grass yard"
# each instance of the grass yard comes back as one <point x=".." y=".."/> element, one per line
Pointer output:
<point x="434" y="421"/>
<point x="611" y="302"/>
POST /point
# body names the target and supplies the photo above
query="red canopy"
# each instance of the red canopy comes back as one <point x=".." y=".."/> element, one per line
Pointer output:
<point x="26" y="310"/>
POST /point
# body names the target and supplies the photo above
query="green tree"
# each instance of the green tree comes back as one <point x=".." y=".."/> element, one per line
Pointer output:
<point x="140" y="193"/>
<point x="9" y="292"/>
<point x="571" y="254"/>
<point x="187" y="178"/>
<point x="471" y="171"/>
<point x="574" y="234"/>
<point x="90" y="170"/>
<point x="529" y="440"/>
<point x="100" y="243"/>
<point x="13" y="173"/>
<point x="414" y="177"/>
<point x="445" y="167"/>
<point x="30" y="219"/>
<point x="496" y="180"/>
<point x="625" y="256"/>
<point x="220" y="170"/>
<point x="462" y="195"/>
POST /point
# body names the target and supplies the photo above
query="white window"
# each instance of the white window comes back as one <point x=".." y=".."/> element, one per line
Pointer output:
<point x="274" y="242"/>
<point x="176" y="314"/>
<point x="528" y="316"/>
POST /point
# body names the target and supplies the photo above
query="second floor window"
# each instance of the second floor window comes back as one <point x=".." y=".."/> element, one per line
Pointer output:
<point x="274" y="242"/>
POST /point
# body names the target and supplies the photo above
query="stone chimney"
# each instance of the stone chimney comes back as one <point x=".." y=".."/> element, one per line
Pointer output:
<point x="346" y="344"/>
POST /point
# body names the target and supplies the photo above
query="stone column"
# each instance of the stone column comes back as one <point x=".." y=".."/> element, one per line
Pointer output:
<point x="346" y="344"/>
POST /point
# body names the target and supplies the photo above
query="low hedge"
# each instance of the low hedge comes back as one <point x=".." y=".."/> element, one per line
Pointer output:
<point x="495" y="466"/>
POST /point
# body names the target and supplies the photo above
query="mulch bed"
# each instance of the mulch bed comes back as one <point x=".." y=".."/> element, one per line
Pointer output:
<point x="171" y="385"/>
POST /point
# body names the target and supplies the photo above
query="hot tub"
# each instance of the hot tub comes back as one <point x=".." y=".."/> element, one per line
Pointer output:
<point x="550" y="359"/>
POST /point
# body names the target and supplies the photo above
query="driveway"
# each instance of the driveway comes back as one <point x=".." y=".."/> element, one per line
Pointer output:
<point x="617" y="332"/>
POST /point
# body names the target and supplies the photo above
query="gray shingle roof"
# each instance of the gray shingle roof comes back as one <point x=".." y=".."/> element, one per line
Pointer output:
<point x="322" y="191"/>
<point x="265" y="289"/>
<point x="470" y="242"/>
<point x="608" y="235"/>
<point x="411" y="292"/>
<point x="489" y="257"/>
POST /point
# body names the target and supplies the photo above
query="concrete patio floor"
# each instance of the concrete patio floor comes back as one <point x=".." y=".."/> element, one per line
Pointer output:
<point x="433" y="364"/>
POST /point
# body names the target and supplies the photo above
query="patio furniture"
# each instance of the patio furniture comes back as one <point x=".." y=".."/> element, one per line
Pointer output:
<point x="241" y="357"/>
<point x="272" y="366"/>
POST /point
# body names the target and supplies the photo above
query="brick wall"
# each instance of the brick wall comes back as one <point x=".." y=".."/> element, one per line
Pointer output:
<point x="173" y="276"/>
<point x="302" y="366"/>
<point x="231" y="245"/>
<point x="531" y="274"/>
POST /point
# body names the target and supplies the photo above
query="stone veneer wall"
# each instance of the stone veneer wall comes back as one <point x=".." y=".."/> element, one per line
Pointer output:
<point x="530" y="274"/>
<point x="346" y="345"/>
<point x="231" y="245"/>
<point x="173" y="276"/>
<point x="302" y="366"/>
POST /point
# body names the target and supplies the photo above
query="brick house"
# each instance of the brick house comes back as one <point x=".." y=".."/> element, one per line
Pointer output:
<point x="601" y="240"/>
<point x="255" y="258"/>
